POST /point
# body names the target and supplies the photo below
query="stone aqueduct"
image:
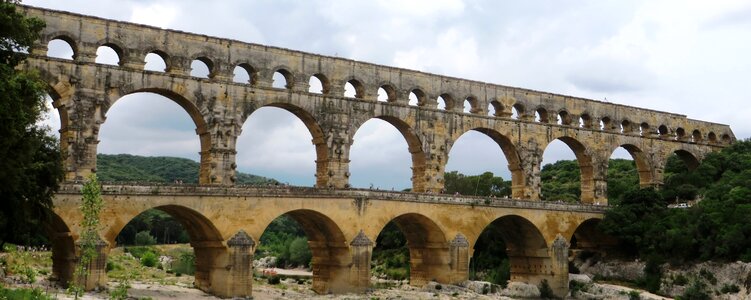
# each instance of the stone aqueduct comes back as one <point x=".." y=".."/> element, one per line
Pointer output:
<point x="224" y="220"/>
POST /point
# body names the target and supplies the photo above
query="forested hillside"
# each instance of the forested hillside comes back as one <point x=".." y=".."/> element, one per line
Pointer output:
<point x="126" y="167"/>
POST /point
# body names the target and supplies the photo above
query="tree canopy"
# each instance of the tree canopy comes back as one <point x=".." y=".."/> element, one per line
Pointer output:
<point x="30" y="168"/>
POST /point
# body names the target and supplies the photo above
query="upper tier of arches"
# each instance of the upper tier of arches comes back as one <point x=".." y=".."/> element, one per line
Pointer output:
<point x="222" y="58"/>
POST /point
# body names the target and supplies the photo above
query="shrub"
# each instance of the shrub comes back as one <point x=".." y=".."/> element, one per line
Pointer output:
<point x="274" y="280"/>
<point x="634" y="295"/>
<point x="545" y="291"/>
<point x="149" y="259"/>
<point x="185" y="264"/>
<point x="708" y="276"/>
<point x="139" y="251"/>
<point x="680" y="280"/>
<point x="23" y="293"/>
<point x="730" y="289"/>
<point x="299" y="252"/>
<point x="144" y="238"/>
<point x="695" y="292"/>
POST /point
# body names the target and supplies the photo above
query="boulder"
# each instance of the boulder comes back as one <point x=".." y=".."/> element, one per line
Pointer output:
<point x="521" y="290"/>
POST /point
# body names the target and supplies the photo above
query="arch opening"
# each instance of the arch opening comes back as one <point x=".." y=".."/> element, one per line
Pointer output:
<point x="318" y="84"/>
<point x="310" y="239"/>
<point x="645" y="130"/>
<point x="193" y="238"/>
<point x="681" y="183"/>
<point x="108" y="54"/>
<point x="282" y="79"/>
<point x="444" y="102"/>
<point x="201" y="68"/>
<point x="628" y="169"/>
<point x="501" y="250"/>
<point x="567" y="173"/>
<point x="517" y="111"/>
<point x="156" y="61"/>
<point x="162" y="136"/>
<point x="416" y="98"/>
<point x="696" y="136"/>
<point x="712" y="137"/>
<point x="61" y="47"/>
<point x="662" y="131"/>
<point x="495" y="108"/>
<point x="409" y="247"/>
<point x="564" y="118"/>
<point x="626" y="126"/>
<point x="606" y="124"/>
<point x="585" y="121"/>
<point x="378" y="157"/>
<point x="680" y="134"/>
<point x="282" y="149"/>
<point x="244" y="73"/>
<point x="387" y="93"/>
<point x="354" y="89"/>
<point x="587" y="240"/>
<point x="541" y="115"/>
<point x="471" y="105"/>
<point x="475" y="168"/>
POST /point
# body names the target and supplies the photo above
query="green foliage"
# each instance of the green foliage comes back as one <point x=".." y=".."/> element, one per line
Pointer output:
<point x="285" y="240"/>
<point x="299" y="252"/>
<point x="484" y="184"/>
<point x="185" y="264"/>
<point x="158" y="224"/>
<point x="680" y="280"/>
<point x="23" y="294"/>
<point x="561" y="181"/>
<point x="160" y="169"/>
<point x="634" y="295"/>
<point x="696" y="291"/>
<point x="545" y="291"/>
<point x="730" y="289"/>
<point x="31" y="168"/>
<point x="274" y="280"/>
<point x="144" y="238"/>
<point x="391" y="255"/>
<point x="91" y="206"/>
<point x="149" y="259"/>
<point x="139" y="251"/>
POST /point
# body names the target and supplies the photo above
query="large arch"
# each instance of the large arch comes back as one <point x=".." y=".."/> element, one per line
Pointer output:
<point x="316" y="132"/>
<point x="643" y="165"/>
<point x="587" y="237"/>
<point x="414" y="146"/>
<point x="511" y="154"/>
<point x="331" y="255"/>
<point x="428" y="248"/>
<point x="587" y="172"/>
<point x="691" y="160"/>
<point x="63" y="248"/>
<point x="205" y="238"/>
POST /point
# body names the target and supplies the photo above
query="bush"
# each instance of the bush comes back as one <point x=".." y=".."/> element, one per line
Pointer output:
<point x="23" y="294"/>
<point x="695" y="292"/>
<point x="299" y="252"/>
<point x="149" y="259"/>
<point x="139" y="251"/>
<point x="730" y="289"/>
<point x="680" y="280"/>
<point x="274" y="280"/>
<point x="545" y="291"/>
<point x="186" y="264"/>
<point x="144" y="238"/>
<point x="634" y="295"/>
<point x="708" y="276"/>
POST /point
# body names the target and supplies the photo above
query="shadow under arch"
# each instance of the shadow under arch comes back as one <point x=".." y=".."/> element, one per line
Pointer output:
<point x="315" y="130"/>
<point x="584" y="160"/>
<point x="512" y="157"/>
<point x="63" y="248"/>
<point x="414" y="146"/>
<point x="205" y="239"/>
<point x="329" y="248"/>
<point x="643" y="166"/>
<point x="587" y="237"/>
<point x="526" y="248"/>
<point x="692" y="161"/>
<point x="427" y="248"/>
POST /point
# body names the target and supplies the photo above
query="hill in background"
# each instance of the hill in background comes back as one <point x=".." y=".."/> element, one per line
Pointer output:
<point x="161" y="169"/>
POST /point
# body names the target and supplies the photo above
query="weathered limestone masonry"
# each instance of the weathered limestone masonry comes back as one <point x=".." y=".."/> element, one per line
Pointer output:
<point x="225" y="222"/>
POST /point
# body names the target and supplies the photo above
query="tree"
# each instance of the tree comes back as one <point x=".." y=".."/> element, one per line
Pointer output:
<point x="30" y="164"/>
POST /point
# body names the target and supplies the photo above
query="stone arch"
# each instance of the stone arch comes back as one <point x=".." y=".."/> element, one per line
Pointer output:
<point x="166" y="58"/>
<point x="208" y="62"/>
<point x="422" y="98"/>
<point x="115" y="46"/>
<point x="542" y="114"/>
<point x="289" y="77"/>
<point x="606" y="124"/>
<point x="474" y="104"/>
<point x="189" y="105"/>
<point x="448" y="100"/>
<point x="414" y="144"/>
<point x="325" y="82"/>
<point x="680" y="134"/>
<point x="644" y="129"/>
<point x="205" y="238"/>
<point x="585" y="120"/>
<point x="390" y="89"/>
<point x="663" y="131"/>
<point x="696" y="136"/>
<point x="584" y="158"/>
<point x="357" y="84"/>
<point x="252" y="72"/>
<point x="564" y="118"/>
<point x="691" y="160"/>
<point x="712" y="137"/>
<point x="427" y="247"/>
<point x="626" y="126"/>
<point x="315" y="130"/>
<point x="586" y="237"/>
<point x="726" y="139"/>
<point x="498" y="108"/>
<point x="331" y="256"/>
<point x="521" y="112"/>
<point x="643" y="164"/>
<point x="68" y="39"/>
<point x="511" y="153"/>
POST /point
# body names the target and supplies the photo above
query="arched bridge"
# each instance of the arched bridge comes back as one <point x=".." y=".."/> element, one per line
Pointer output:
<point x="225" y="221"/>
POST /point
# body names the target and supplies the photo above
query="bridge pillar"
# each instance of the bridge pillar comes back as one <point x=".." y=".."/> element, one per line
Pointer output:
<point x="79" y="139"/>
<point x="331" y="268"/>
<point x="459" y="259"/>
<point x="211" y="274"/>
<point x="332" y="147"/>
<point x="536" y="266"/>
<point x="530" y="156"/>
<point x="429" y="262"/>
<point x="95" y="274"/>
<point x="239" y="280"/>
<point x="133" y="60"/>
<point x="361" y="248"/>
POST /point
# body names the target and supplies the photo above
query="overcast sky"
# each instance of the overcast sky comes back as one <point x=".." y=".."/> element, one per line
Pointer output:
<point x="686" y="57"/>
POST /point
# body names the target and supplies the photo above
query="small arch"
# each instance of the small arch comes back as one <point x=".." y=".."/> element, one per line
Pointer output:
<point x="541" y="115"/>
<point x="644" y="129"/>
<point x="696" y="136"/>
<point x="62" y="47"/>
<point x="564" y="118"/>
<point x="471" y="105"/>
<point x="156" y="61"/>
<point x="605" y="124"/>
<point x="245" y="73"/>
<point x="662" y="131"/>
<point x="417" y="97"/>
<point x="109" y="54"/>
<point x="387" y="93"/>
<point x="626" y="126"/>
<point x="282" y="79"/>
<point x="202" y="67"/>
<point x="680" y="134"/>
<point x="517" y="111"/>
<point x="495" y="108"/>
<point x="445" y="102"/>
<point x="318" y="84"/>
<point x="585" y="121"/>
<point x="712" y="137"/>
<point x="726" y="139"/>
<point x="354" y="89"/>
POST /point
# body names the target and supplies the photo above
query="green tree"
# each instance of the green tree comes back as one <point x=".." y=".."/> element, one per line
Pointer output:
<point x="91" y="206"/>
<point x="144" y="238"/>
<point x="31" y="169"/>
